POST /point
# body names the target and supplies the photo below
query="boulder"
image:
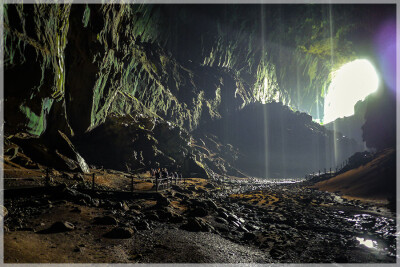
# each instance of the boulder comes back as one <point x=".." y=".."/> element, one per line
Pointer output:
<point x="5" y="211"/>
<point x="211" y="204"/>
<point x="164" y="214"/>
<point x="152" y="216"/>
<point x="105" y="220"/>
<point x="248" y="236"/>
<point x="176" y="218"/>
<point x="221" y="220"/>
<point x="198" y="212"/>
<point x="221" y="210"/>
<point x="119" y="233"/>
<point x="198" y="203"/>
<point x="232" y="217"/>
<point x="142" y="225"/>
<point x="181" y="196"/>
<point x="123" y="206"/>
<point x="223" y="228"/>
<point x="162" y="201"/>
<point x="58" y="227"/>
<point x="74" y="195"/>
<point x="252" y="227"/>
<point x="276" y="253"/>
<point x="196" y="225"/>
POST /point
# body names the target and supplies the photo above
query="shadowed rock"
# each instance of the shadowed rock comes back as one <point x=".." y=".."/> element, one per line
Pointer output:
<point x="163" y="201"/>
<point x="119" y="233"/>
<point x="106" y="220"/>
<point x="58" y="227"/>
<point x="198" y="212"/>
<point x="196" y="225"/>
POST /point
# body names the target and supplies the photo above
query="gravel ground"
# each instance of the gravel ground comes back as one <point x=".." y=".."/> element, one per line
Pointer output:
<point x="169" y="245"/>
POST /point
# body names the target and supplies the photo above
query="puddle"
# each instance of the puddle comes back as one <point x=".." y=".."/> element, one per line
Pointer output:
<point x="368" y="242"/>
<point x="284" y="180"/>
<point x="372" y="244"/>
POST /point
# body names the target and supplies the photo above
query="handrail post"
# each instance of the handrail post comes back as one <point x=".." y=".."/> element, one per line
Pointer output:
<point x="156" y="183"/>
<point x="47" y="177"/>
<point x="132" y="183"/>
<point x="93" y="176"/>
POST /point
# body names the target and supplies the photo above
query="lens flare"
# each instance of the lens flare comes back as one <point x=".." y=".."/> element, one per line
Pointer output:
<point x="385" y="48"/>
<point x="352" y="82"/>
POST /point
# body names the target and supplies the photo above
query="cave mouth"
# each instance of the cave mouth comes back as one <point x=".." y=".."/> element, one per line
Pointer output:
<point x="352" y="82"/>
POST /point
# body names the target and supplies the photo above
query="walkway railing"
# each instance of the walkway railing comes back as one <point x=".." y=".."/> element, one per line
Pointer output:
<point x="158" y="183"/>
<point x="46" y="175"/>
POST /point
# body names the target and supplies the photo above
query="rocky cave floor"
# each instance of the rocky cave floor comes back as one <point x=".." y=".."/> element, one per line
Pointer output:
<point x="196" y="221"/>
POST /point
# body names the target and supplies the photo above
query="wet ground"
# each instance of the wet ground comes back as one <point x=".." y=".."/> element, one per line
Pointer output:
<point x="201" y="221"/>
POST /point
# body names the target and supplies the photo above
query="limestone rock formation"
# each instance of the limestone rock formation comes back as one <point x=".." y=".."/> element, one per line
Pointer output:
<point x="82" y="69"/>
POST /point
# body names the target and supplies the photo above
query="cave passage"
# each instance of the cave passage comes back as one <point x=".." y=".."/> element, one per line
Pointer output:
<point x="199" y="133"/>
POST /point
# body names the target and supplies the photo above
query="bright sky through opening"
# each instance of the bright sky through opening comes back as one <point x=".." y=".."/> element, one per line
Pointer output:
<point x="352" y="82"/>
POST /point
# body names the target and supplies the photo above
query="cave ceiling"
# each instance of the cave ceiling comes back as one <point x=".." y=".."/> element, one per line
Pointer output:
<point x="187" y="64"/>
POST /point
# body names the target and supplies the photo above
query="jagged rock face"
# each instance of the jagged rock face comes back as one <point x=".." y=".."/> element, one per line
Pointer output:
<point x="34" y="43"/>
<point x="137" y="144"/>
<point x="58" y="152"/>
<point x="76" y="68"/>
<point x="274" y="141"/>
<point x="125" y="143"/>
<point x="379" y="129"/>
<point x="186" y="63"/>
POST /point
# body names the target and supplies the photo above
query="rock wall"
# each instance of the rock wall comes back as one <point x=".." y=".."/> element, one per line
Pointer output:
<point x="379" y="129"/>
<point x="184" y="63"/>
<point x="70" y="68"/>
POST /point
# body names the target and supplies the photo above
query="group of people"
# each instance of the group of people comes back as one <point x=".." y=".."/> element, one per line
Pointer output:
<point x="163" y="173"/>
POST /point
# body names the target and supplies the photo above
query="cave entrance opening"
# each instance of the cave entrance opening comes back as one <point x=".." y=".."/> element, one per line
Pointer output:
<point x="352" y="82"/>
